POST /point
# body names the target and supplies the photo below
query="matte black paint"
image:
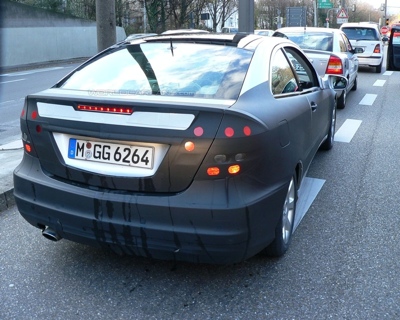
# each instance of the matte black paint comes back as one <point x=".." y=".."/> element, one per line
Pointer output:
<point x="180" y="213"/>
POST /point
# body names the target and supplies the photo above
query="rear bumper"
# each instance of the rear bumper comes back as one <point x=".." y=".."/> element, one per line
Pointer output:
<point x="211" y="222"/>
<point x="370" y="61"/>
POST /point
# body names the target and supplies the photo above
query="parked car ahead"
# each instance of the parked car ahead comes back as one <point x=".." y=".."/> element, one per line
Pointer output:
<point x="264" y="32"/>
<point x="365" y="37"/>
<point x="330" y="52"/>
<point x="176" y="148"/>
<point x="229" y="30"/>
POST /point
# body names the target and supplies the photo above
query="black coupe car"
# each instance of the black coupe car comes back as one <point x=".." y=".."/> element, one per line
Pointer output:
<point x="183" y="147"/>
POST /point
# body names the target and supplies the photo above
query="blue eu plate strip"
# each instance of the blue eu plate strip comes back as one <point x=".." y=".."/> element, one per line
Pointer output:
<point x="72" y="148"/>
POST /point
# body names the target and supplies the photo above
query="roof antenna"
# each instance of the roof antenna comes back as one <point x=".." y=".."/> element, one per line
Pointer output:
<point x="171" y="46"/>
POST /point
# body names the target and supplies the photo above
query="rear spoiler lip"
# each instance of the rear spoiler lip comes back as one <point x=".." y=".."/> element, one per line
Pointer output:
<point x="65" y="96"/>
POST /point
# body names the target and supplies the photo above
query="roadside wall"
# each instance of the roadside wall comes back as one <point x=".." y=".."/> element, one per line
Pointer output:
<point x="30" y="35"/>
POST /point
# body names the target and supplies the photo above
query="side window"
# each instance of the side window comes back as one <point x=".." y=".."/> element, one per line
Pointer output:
<point x="342" y="45"/>
<point x="283" y="80"/>
<point x="346" y="43"/>
<point x="305" y="73"/>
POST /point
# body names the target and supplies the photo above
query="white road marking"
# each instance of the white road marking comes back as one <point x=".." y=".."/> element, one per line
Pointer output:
<point x="12" y="145"/>
<point x="368" y="99"/>
<point x="309" y="190"/>
<point x="12" y="81"/>
<point x="379" y="83"/>
<point x="12" y="101"/>
<point x="22" y="73"/>
<point x="347" y="131"/>
<point x="387" y="73"/>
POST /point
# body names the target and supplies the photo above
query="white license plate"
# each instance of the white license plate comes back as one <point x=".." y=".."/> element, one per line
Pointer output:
<point x="127" y="155"/>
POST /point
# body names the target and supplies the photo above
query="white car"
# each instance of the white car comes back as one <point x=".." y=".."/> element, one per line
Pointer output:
<point x="230" y="30"/>
<point x="365" y="38"/>
<point x="264" y="32"/>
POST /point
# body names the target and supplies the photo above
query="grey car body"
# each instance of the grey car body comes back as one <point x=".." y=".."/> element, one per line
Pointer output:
<point x="186" y="147"/>
<point x="321" y="45"/>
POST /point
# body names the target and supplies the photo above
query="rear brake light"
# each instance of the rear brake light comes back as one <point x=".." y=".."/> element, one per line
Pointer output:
<point x="377" y="49"/>
<point x="106" y="109"/>
<point x="28" y="148"/>
<point x="334" y="66"/>
<point x="213" y="171"/>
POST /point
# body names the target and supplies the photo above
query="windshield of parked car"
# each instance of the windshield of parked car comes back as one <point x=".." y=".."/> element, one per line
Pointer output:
<point x="166" y="69"/>
<point x="361" y="33"/>
<point x="312" y="40"/>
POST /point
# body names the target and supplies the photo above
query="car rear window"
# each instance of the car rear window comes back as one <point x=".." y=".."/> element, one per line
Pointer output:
<point x="166" y="69"/>
<point x="361" y="33"/>
<point x="314" y="40"/>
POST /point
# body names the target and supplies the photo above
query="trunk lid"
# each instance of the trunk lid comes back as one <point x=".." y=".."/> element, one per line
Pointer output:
<point x="159" y="147"/>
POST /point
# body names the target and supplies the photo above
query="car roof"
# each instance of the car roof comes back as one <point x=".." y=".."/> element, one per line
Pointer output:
<point x="240" y="40"/>
<point x="360" y="24"/>
<point x="308" y="29"/>
<point x="184" y="31"/>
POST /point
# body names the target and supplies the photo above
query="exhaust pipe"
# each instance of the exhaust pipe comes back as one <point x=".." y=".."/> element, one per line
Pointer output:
<point x="50" y="234"/>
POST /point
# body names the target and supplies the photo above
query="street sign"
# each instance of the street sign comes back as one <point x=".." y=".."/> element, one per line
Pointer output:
<point x="325" y="4"/>
<point x="342" y="16"/>
<point x="296" y="16"/>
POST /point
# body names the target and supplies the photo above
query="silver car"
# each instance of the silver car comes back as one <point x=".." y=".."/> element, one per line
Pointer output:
<point x="329" y="50"/>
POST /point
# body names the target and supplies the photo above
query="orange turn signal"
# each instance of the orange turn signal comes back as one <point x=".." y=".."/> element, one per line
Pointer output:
<point x="234" y="169"/>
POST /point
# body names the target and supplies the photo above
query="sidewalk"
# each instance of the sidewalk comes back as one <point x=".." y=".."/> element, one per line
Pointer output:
<point x="10" y="157"/>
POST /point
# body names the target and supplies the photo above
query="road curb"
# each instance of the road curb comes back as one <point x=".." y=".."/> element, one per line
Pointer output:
<point x="7" y="200"/>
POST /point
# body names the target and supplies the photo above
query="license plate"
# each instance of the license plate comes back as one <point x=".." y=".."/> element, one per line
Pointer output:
<point x="127" y="155"/>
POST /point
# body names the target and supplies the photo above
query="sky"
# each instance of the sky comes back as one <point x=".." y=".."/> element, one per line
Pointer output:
<point x="393" y="5"/>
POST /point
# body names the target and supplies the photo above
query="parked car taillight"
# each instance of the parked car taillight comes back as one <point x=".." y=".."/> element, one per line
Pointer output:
<point x="377" y="49"/>
<point x="334" y="66"/>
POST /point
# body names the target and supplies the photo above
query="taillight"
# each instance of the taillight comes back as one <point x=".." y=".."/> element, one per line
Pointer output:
<point x="334" y="66"/>
<point x="377" y="49"/>
<point x="106" y="109"/>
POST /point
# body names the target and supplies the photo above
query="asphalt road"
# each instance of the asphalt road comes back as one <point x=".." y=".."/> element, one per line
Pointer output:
<point x="343" y="262"/>
<point x="15" y="86"/>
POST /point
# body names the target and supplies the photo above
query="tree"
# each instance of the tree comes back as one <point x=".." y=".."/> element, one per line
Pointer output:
<point x="220" y="11"/>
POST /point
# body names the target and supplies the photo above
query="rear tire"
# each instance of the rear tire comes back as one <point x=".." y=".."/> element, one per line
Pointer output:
<point x="378" y="68"/>
<point x="284" y="228"/>
<point x="341" y="103"/>
<point x="354" y="88"/>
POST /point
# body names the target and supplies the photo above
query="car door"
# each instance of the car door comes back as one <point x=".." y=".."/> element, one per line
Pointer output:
<point x="319" y="100"/>
<point x="352" y="62"/>
<point x="393" y="60"/>
<point x="296" y="89"/>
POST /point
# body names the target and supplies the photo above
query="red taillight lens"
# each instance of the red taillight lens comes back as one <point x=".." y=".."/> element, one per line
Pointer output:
<point x="28" y="148"/>
<point x="334" y="66"/>
<point x="213" y="171"/>
<point x="377" y="49"/>
<point x="106" y="109"/>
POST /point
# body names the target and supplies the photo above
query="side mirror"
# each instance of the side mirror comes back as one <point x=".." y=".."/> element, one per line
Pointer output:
<point x="385" y="39"/>
<point x="336" y="82"/>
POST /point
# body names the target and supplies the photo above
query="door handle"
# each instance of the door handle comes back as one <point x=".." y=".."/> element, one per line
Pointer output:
<point x="313" y="106"/>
